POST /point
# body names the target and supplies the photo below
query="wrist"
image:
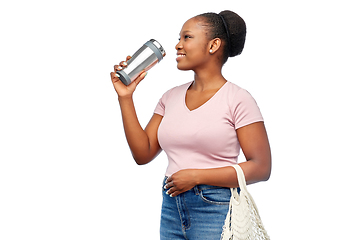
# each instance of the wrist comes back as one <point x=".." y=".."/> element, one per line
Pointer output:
<point x="197" y="176"/>
<point x="125" y="98"/>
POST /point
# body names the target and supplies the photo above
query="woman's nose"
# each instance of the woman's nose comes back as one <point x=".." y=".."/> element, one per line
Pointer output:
<point x="179" y="45"/>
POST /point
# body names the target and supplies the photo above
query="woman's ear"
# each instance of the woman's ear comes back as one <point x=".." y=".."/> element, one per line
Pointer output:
<point x="214" y="45"/>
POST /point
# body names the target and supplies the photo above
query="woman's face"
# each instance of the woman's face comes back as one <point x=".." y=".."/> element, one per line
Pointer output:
<point x="192" y="49"/>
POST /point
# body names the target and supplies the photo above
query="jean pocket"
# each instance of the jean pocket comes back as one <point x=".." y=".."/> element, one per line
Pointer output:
<point x="217" y="196"/>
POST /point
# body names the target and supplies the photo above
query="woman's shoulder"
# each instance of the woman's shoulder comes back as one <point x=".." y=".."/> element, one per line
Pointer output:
<point x="238" y="96"/>
<point x="235" y="91"/>
<point x="234" y="88"/>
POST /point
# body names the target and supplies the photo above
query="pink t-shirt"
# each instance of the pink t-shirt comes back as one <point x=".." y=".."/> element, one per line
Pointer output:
<point x="204" y="137"/>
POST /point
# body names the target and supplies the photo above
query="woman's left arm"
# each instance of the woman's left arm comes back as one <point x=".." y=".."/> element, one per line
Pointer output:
<point x="255" y="146"/>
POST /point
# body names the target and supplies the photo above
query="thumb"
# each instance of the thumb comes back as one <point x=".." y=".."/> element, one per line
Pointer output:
<point x="140" y="78"/>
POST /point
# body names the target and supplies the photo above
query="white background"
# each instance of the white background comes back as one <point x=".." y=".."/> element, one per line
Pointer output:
<point x="66" y="171"/>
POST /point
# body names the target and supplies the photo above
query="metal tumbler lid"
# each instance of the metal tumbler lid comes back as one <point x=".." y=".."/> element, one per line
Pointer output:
<point x="156" y="48"/>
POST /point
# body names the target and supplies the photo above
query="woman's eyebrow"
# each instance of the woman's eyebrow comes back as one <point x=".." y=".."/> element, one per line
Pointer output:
<point x="186" y="31"/>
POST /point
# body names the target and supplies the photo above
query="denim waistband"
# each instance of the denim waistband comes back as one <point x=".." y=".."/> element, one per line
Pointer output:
<point x="200" y="187"/>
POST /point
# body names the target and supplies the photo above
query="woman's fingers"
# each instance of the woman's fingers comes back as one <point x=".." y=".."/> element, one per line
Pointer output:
<point x="119" y="86"/>
<point x="114" y="77"/>
<point x="123" y="64"/>
<point x="117" y="68"/>
<point x="173" y="191"/>
<point x="170" y="187"/>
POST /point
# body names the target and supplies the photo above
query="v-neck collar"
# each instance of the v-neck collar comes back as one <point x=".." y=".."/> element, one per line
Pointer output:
<point x="205" y="103"/>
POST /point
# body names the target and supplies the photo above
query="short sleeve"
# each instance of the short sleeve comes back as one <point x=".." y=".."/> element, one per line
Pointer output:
<point x="160" y="108"/>
<point x="244" y="109"/>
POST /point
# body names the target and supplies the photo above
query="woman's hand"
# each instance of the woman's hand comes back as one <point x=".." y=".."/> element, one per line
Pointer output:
<point x="181" y="182"/>
<point x="121" y="89"/>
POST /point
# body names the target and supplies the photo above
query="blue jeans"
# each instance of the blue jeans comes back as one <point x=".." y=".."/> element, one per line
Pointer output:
<point x="196" y="214"/>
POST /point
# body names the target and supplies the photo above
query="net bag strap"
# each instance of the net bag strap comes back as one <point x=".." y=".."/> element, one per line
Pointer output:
<point x="240" y="177"/>
<point x="243" y="186"/>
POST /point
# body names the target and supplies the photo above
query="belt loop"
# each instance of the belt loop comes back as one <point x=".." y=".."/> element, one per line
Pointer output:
<point x="197" y="191"/>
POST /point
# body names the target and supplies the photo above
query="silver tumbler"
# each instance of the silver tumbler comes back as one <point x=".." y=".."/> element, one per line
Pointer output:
<point x="145" y="58"/>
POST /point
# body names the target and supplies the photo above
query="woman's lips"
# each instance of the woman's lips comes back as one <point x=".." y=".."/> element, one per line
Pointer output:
<point x="180" y="56"/>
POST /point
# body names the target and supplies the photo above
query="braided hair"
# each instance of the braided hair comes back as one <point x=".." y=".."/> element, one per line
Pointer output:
<point x="232" y="31"/>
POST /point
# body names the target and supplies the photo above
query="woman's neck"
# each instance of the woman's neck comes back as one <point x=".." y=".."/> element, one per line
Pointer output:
<point x="207" y="80"/>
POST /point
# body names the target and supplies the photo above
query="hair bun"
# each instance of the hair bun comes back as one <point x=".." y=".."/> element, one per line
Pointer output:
<point x="237" y="32"/>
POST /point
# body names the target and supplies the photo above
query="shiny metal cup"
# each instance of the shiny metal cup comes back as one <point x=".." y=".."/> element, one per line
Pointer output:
<point x="145" y="58"/>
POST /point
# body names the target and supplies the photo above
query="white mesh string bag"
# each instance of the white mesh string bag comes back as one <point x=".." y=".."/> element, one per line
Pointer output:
<point x="243" y="221"/>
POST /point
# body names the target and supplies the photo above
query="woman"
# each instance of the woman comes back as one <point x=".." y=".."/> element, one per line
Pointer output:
<point x="201" y="126"/>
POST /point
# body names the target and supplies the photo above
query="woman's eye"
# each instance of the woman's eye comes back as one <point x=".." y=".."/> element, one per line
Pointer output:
<point x="185" y="37"/>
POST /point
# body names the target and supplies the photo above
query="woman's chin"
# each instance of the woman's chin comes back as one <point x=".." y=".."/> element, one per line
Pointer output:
<point x="182" y="67"/>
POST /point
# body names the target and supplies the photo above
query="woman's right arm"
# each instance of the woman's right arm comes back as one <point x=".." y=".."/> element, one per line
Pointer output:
<point x="143" y="143"/>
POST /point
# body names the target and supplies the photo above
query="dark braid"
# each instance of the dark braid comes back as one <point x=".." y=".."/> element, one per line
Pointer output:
<point x="216" y="29"/>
